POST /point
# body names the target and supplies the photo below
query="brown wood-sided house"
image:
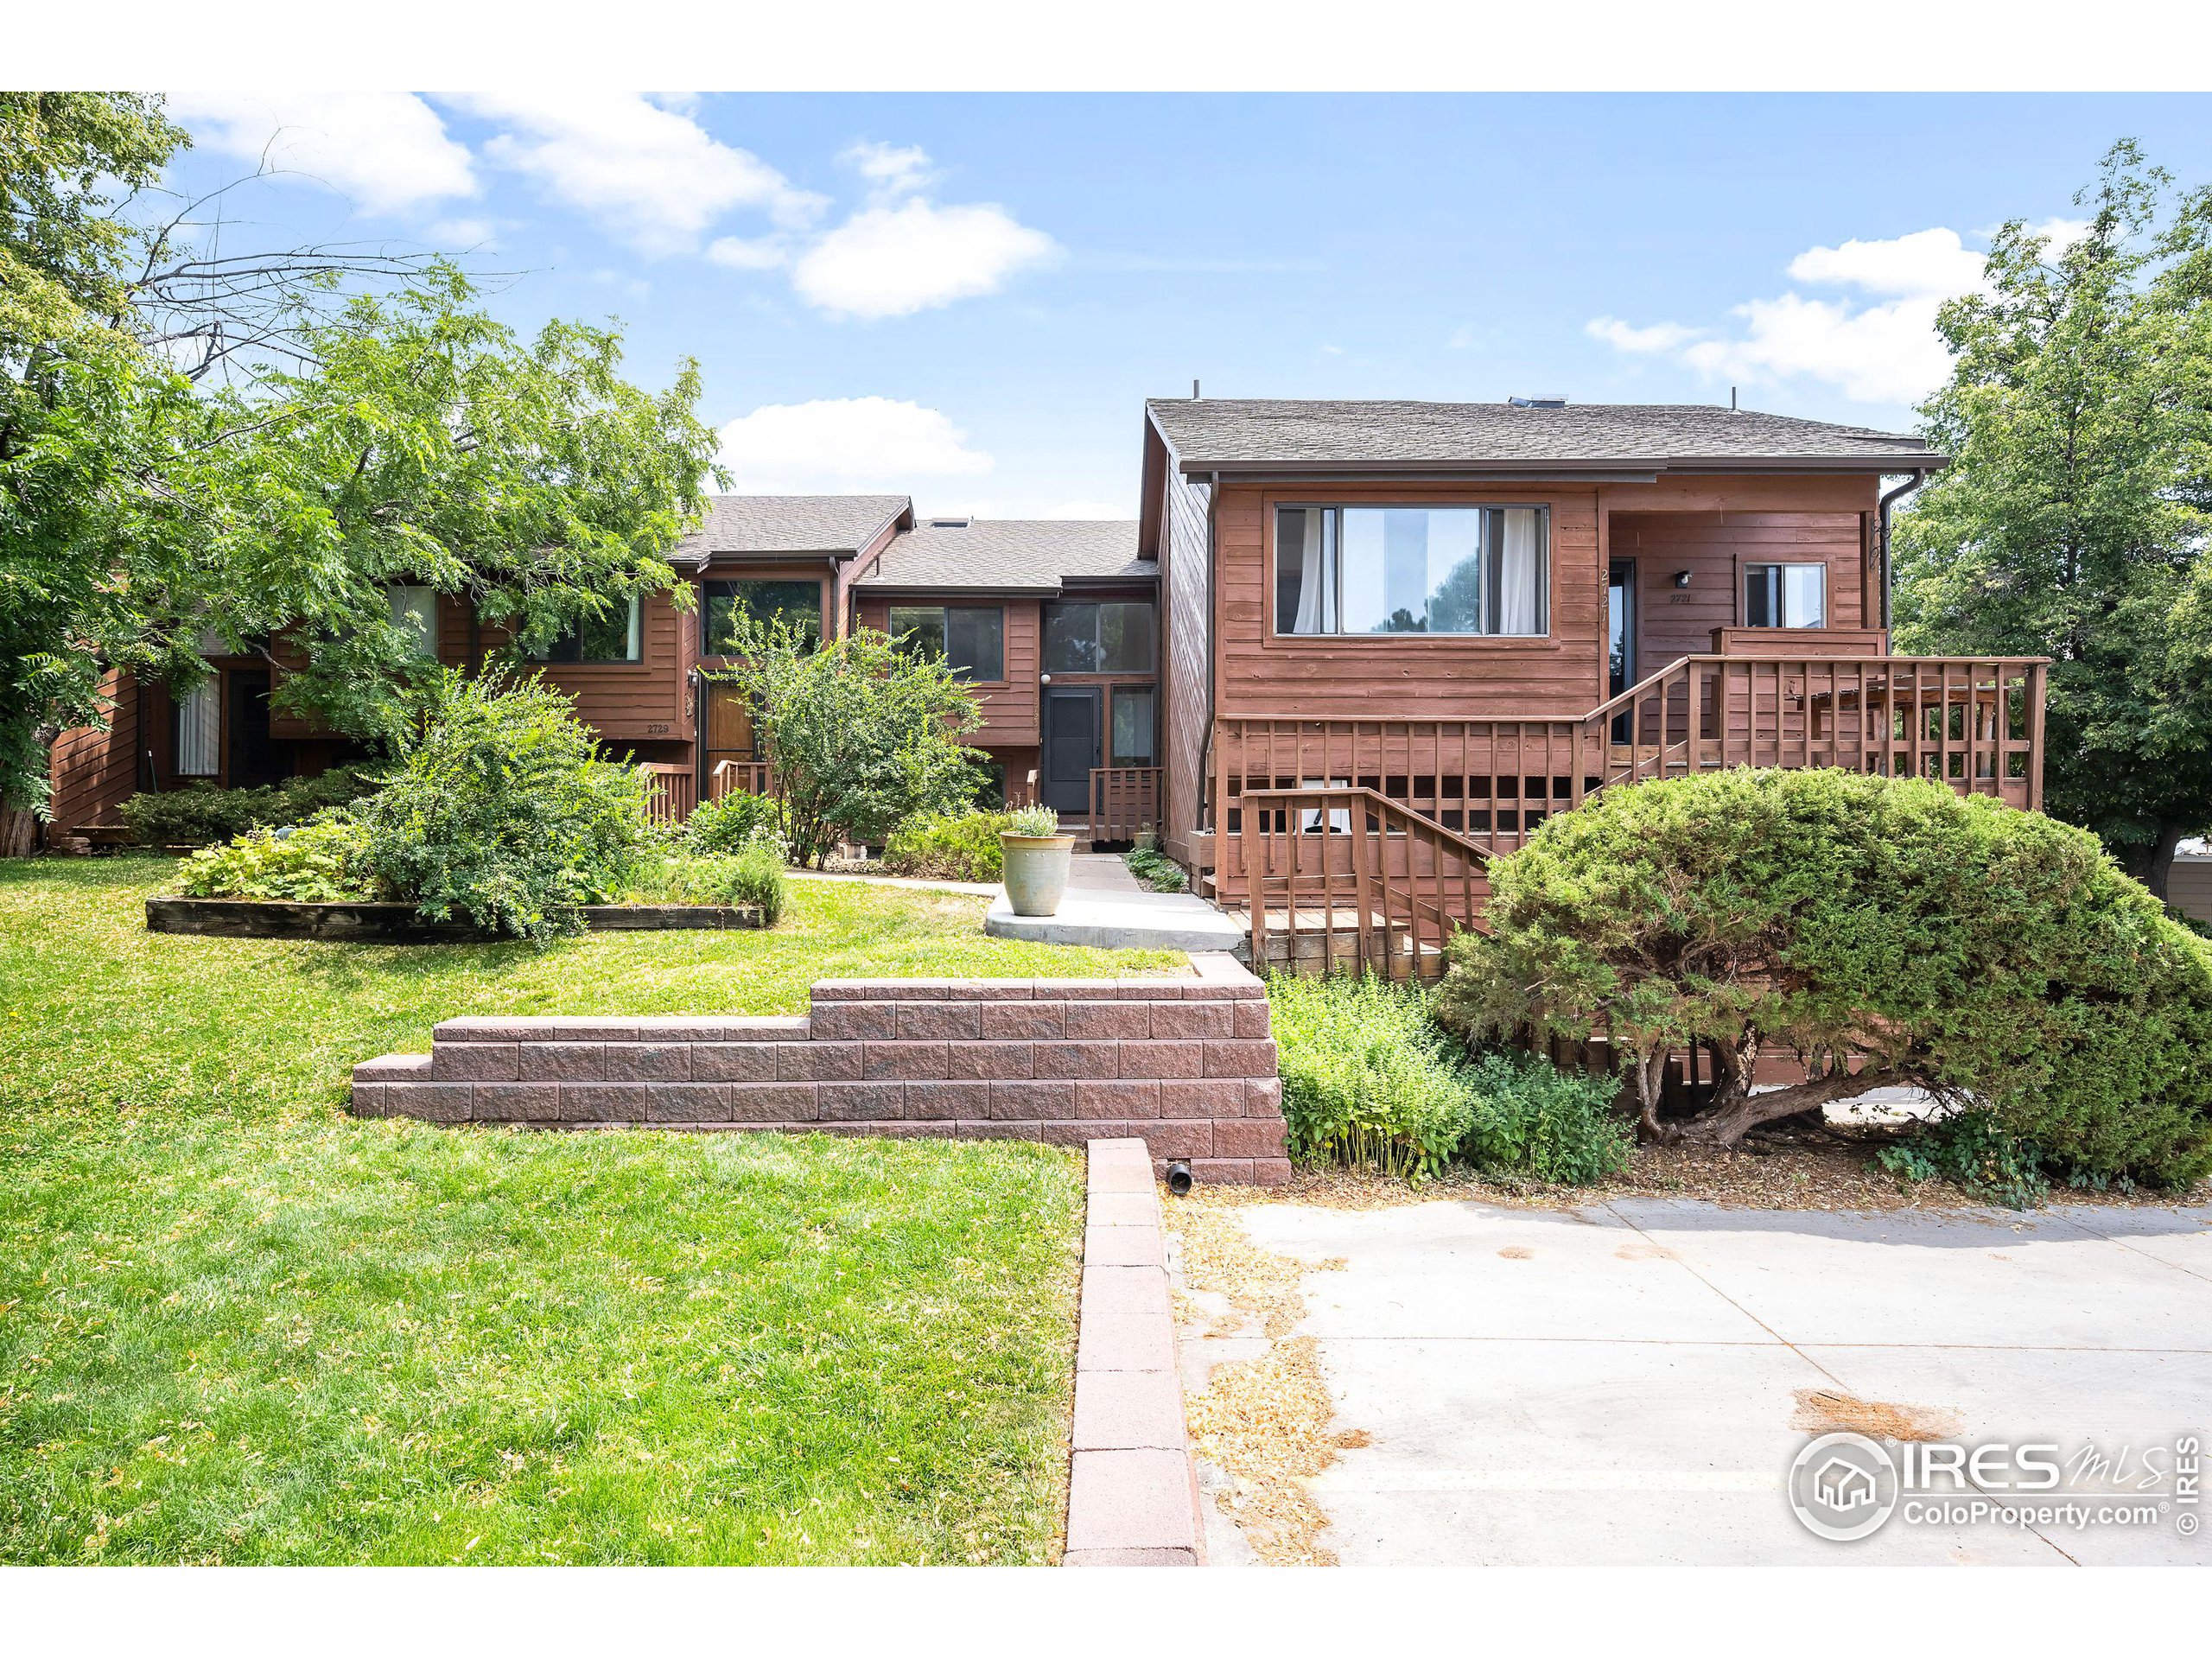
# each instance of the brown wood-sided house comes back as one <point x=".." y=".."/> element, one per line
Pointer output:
<point x="1347" y="651"/>
<point x="1050" y="623"/>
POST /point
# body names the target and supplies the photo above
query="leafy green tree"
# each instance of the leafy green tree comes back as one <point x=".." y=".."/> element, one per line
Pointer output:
<point x="2073" y="523"/>
<point x="249" y="447"/>
<point x="859" y="735"/>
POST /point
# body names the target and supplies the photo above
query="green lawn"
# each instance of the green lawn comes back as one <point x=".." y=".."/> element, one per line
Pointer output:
<point x="237" y="1325"/>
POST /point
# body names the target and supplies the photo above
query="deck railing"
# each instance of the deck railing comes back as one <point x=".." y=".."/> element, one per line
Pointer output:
<point x="1456" y="792"/>
<point x="1346" y="879"/>
<point x="728" y="777"/>
<point x="1124" y="802"/>
<point x="675" y="792"/>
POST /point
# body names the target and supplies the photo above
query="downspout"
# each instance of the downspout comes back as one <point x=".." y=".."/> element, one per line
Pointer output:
<point x="1882" y="515"/>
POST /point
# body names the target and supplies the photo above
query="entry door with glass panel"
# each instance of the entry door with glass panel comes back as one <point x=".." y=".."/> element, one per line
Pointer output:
<point x="1071" y="746"/>
<point x="1620" y="636"/>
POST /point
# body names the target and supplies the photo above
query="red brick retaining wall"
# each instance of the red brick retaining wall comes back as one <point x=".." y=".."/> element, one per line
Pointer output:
<point x="1186" y="1065"/>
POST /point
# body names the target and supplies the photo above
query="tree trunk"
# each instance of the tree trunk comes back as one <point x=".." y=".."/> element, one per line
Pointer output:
<point x="18" y="832"/>
<point x="1727" y="1125"/>
<point x="1648" y="1072"/>
<point x="2158" y="861"/>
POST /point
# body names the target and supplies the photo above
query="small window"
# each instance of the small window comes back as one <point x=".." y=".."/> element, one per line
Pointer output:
<point x="1785" y="596"/>
<point x="611" y="637"/>
<point x="1113" y="637"/>
<point x="765" y="602"/>
<point x="1450" y="570"/>
<point x="199" y="729"/>
<point x="1134" y="726"/>
<point x="415" y="613"/>
<point x="971" y="638"/>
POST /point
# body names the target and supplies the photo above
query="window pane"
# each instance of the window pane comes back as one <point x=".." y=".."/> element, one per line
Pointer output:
<point x="764" y="601"/>
<point x="1072" y="638"/>
<point x="199" y="730"/>
<point x="1132" y="727"/>
<point x="1805" y="596"/>
<point x="613" y="637"/>
<point x="415" y="611"/>
<point x="1125" y="639"/>
<point x="1306" y="570"/>
<point x="1762" y="595"/>
<point x="974" y="642"/>
<point x="1523" y="575"/>
<point x="1461" y="570"/>
<point x="918" y="629"/>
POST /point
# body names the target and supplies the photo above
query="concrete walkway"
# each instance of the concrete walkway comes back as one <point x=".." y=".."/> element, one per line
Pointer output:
<point x="1627" y="1382"/>
<point x="1107" y="906"/>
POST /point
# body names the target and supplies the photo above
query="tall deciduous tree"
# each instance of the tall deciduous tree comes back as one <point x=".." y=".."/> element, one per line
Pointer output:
<point x="2073" y="523"/>
<point x="251" y="446"/>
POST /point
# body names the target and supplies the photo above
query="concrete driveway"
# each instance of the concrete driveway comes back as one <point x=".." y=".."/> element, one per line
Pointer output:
<point x="1628" y="1382"/>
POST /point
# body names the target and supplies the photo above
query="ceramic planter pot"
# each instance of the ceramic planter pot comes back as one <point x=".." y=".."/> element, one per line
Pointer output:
<point x="1036" y="872"/>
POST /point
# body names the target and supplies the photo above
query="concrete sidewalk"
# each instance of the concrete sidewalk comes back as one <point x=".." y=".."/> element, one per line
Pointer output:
<point x="1108" y="908"/>
<point x="1622" y="1383"/>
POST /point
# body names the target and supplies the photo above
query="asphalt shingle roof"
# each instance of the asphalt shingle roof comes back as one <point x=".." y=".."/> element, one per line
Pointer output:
<point x="1009" y="555"/>
<point x="1229" y="433"/>
<point x="755" y="524"/>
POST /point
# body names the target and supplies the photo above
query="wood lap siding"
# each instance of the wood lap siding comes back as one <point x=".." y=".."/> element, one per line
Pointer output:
<point x="95" y="772"/>
<point x="643" y="701"/>
<point x="1401" y="676"/>
<point x="1714" y="547"/>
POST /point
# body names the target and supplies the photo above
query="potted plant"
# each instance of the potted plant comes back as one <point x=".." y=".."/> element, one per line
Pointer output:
<point x="1037" y="856"/>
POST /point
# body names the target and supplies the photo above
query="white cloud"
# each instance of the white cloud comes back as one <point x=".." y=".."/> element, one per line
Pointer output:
<point x="892" y="168"/>
<point x="463" y="235"/>
<point x="891" y="262"/>
<point x="652" y="174"/>
<point x="389" y="151"/>
<point x="1659" y="337"/>
<point x="1878" y="349"/>
<point x="1926" y="262"/>
<point x="750" y="253"/>
<point x="846" y="443"/>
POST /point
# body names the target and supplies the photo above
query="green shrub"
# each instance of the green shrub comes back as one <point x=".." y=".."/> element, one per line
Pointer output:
<point x="751" y="875"/>
<point x="1884" y="931"/>
<point x="1368" y="1077"/>
<point x="860" y="736"/>
<point x="1155" y="869"/>
<point x="1973" y="1150"/>
<point x="323" y="862"/>
<point x="499" y="810"/>
<point x="1530" y="1118"/>
<point x="725" y="825"/>
<point x="949" y="847"/>
<point x="199" y="815"/>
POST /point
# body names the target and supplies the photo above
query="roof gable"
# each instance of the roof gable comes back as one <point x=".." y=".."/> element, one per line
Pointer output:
<point x="739" y="526"/>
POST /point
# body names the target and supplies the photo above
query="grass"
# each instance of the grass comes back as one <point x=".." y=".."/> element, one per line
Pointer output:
<point x="237" y="1325"/>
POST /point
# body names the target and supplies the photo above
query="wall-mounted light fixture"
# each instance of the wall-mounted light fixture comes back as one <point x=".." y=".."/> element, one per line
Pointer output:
<point x="1682" y="578"/>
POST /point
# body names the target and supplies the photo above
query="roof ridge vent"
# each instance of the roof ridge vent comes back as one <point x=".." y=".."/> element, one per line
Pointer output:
<point x="951" y="524"/>
<point x="1538" y="400"/>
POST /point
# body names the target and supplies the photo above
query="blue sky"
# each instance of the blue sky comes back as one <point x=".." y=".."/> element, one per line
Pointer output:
<point x="967" y="297"/>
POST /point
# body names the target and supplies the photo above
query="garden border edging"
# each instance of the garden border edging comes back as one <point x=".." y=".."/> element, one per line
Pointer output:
<point x="1133" y="1489"/>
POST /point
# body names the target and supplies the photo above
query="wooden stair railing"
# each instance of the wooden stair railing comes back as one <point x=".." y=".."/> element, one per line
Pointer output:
<point x="1313" y="853"/>
<point x="1124" y="801"/>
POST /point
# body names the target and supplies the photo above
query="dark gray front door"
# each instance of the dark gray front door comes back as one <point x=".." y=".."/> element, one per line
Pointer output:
<point x="1071" y="744"/>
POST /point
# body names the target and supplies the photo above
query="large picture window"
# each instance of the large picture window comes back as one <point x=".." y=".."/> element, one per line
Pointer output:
<point x="612" y="637"/>
<point x="1109" y="636"/>
<point x="971" y="638"/>
<point x="1785" y="596"/>
<point x="765" y="601"/>
<point x="1449" y="571"/>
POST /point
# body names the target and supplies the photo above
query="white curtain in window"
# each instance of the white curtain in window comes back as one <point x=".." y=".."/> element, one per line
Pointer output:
<point x="199" y="730"/>
<point x="414" y="611"/>
<point x="1519" y="573"/>
<point x="1317" y="597"/>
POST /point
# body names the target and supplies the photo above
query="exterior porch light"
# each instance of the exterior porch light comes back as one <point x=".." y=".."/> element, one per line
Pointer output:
<point x="1682" y="578"/>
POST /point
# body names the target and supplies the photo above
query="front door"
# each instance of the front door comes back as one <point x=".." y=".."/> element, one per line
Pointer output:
<point x="1620" y="636"/>
<point x="729" y="732"/>
<point x="255" y="758"/>
<point x="1071" y="746"/>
